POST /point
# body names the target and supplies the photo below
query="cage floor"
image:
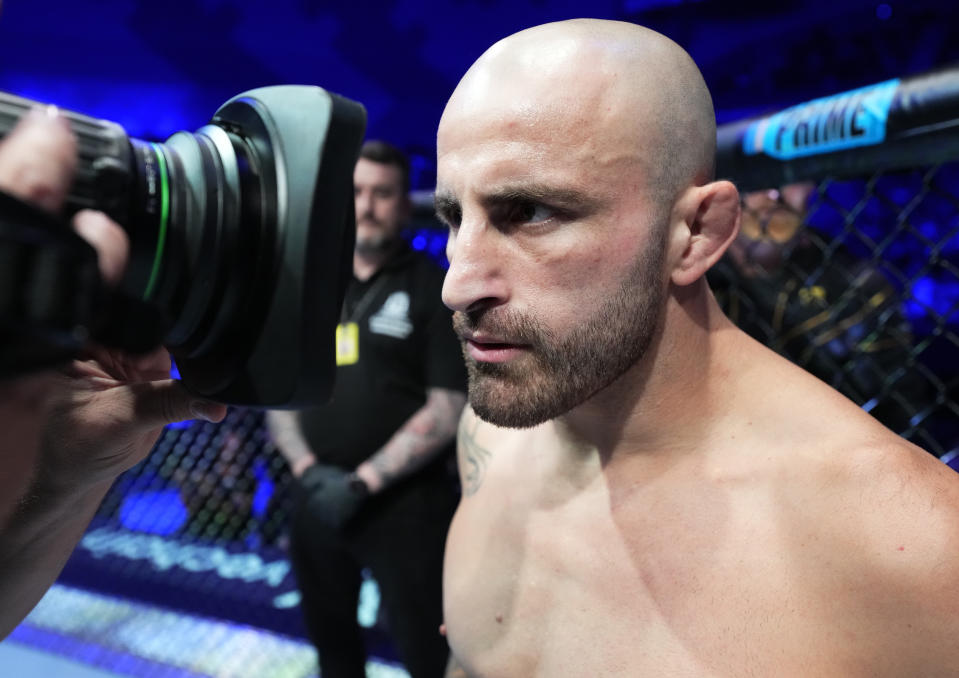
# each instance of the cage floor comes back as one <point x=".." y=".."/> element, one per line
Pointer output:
<point x="73" y="633"/>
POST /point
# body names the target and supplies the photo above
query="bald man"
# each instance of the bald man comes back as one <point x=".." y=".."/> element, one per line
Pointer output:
<point x="647" y="490"/>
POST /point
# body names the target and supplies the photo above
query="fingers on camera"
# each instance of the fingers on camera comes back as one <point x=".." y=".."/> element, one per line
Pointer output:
<point x="38" y="159"/>
<point x="37" y="163"/>
<point x="109" y="240"/>
<point x="161" y="403"/>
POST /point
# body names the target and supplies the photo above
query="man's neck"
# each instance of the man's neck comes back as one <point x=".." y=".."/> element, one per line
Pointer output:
<point x="668" y="401"/>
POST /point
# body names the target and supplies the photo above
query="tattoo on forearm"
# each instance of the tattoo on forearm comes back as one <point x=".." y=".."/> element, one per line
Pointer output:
<point x="400" y="454"/>
<point x="420" y="438"/>
<point x="473" y="458"/>
<point x="284" y="431"/>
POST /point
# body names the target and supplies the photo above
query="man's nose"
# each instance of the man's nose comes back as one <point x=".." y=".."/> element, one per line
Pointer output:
<point x="363" y="202"/>
<point x="476" y="274"/>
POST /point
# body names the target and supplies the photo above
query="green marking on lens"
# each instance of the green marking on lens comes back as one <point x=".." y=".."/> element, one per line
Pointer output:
<point x="164" y="216"/>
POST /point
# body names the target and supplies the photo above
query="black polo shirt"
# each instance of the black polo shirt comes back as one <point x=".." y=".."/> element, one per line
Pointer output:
<point x="406" y="344"/>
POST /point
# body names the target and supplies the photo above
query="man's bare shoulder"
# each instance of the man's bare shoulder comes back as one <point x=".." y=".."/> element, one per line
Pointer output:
<point x="867" y="478"/>
<point x="880" y="470"/>
<point x="869" y="522"/>
<point x="870" y="518"/>
<point x="912" y="497"/>
<point x="886" y="516"/>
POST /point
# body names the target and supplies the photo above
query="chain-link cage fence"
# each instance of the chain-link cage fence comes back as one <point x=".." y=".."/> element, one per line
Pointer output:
<point x="184" y="569"/>
<point x="847" y="261"/>
<point x="848" y="264"/>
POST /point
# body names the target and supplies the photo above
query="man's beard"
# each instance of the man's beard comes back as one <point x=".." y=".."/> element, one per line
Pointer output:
<point x="554" y="376"/>
<point x="380" y="242"/>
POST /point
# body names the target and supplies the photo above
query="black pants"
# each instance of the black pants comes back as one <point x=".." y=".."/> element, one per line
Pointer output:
<point x="400" y="536"/>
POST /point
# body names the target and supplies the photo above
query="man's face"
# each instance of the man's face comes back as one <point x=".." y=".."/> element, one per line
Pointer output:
<point x="556" y="253"/>
<point x="771" y="226"/>
<point x="381" y="206"/>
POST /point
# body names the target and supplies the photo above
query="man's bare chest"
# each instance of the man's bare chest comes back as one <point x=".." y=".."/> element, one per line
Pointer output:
<point x="583" y="591"/>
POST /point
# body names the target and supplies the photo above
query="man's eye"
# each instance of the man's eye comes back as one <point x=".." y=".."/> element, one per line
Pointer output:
<point x="530" y="212"/>
<point x="451" y="217"/>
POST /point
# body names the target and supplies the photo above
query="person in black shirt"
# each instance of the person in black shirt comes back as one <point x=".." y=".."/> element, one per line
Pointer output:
<point x="374" y="490"/>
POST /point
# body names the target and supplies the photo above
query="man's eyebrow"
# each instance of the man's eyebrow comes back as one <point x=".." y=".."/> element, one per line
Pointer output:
<point x="553" y="196"/>
<point x="447" y="207"/>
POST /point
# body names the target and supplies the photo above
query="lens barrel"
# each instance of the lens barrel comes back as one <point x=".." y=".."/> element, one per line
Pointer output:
<point x="241" y="235"/>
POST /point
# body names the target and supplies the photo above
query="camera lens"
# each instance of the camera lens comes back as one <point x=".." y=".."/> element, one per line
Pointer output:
<point x="241" y="235"/>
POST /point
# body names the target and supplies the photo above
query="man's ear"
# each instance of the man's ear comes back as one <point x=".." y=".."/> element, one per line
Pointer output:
<point x="709" y="216"/>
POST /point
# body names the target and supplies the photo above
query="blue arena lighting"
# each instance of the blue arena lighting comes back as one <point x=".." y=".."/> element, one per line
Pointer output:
<point x="156" y="512"/>
<point x="145" y="110"/>
<point x="265" y="488"/>
<point x="420" y="169"/>
<point x="438" y="243"/>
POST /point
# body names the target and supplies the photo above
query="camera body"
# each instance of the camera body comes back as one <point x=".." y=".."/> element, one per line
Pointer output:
<point x="241" y="239"/>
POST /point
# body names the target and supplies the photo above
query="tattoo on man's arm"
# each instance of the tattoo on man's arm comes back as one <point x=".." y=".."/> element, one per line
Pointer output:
<point x="426" y="432"/>
<point x="284" y="430"/>
<point x="473" y="457"/>
<point x="401" y="455"/>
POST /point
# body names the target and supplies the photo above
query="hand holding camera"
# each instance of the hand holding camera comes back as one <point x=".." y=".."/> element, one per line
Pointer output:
<point x="240" y="246"/>
<point x="234" y="241"/>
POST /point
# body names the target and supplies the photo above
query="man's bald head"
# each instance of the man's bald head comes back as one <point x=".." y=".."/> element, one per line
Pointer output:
<point x="633" y="87"/>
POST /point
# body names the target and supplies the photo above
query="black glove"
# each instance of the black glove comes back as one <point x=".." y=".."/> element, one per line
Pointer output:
<point x="332" y="495"/>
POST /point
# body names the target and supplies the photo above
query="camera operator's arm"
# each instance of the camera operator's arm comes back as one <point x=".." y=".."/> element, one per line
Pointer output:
<point x="91" y="422"/>
<point x="68" y="434"/>
<point x="423" y="435"/>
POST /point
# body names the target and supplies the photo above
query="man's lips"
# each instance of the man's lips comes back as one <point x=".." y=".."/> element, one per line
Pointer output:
<point x="491" y="350"/>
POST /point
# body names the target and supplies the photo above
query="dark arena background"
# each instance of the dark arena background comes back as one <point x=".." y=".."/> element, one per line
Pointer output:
<point x="839" y="122"/>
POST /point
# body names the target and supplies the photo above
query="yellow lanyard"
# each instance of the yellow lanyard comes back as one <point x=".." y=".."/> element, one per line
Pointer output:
<point x="348" y="331"/>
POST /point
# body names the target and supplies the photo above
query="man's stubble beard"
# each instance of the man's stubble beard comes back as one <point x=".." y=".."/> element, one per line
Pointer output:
<point x="555" y="376"/>
<point x="381" y="242"/>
